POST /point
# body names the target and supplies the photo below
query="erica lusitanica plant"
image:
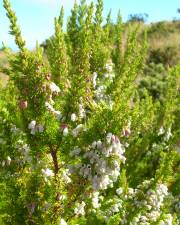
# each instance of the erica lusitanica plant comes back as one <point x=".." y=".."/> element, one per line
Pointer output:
<point x="78" y="145"/>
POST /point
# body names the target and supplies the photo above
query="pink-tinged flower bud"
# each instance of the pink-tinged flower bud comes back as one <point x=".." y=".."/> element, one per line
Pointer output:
<point x="63" y="126"/>
<point x="113" y="138"/>
<point x="48" y="76"/>
<point x="126" y="132"/>
<point x="23" y="104"/>
<point x="117" y="139"/>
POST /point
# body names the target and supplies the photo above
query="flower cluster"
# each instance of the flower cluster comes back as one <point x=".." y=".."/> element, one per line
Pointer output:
<point x="35" y="128"/>
<point x="167" y="134"/>
<point x="95" y="200"/>
<point x="101" y="83"/>
<point x="54" y="88"/>
<point x="21" y="148"/>
<point x="65" y="176"/>
<point x="79" y="208"/>
<point x="77" y="130"/>
<point x="75" y="151"/>
<point x="55" y="112"/>
<point x="82" y="111"/>
<point x="47" y="173"/>
<point x="24" y="149"/>
<point x="152" y="200"/>
<point x="115" y="207"/>
<point x="103" y="167"/>
<point x="49" y="104"/>
<point x="167" y="221"/>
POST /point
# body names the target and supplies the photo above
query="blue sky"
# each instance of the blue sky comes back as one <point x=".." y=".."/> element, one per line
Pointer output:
<point x="36" y="17"/>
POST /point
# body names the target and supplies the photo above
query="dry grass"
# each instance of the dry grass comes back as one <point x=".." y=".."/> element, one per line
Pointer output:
<point x="3" y="79"/>
<point x="166" y="36"/>
<point x="173" y="39"/>
<point x="3" y="63"/>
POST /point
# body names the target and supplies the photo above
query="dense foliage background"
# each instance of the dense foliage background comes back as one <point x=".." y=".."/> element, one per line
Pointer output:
<point x="90" y="123"/>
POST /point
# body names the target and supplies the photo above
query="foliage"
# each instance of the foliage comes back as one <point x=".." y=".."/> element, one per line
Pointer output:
<point x="154" y="80"/>
<point x="159" y="29"/>
<point x="138" y="17"/>
<point x="167" y="56"/>
<point x="78" y="144"/>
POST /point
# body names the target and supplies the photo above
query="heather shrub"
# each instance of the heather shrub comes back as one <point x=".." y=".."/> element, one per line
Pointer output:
<point x="78" y="144"/>
<point x="168" y="56"/>
<point x="154" y="80"/>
